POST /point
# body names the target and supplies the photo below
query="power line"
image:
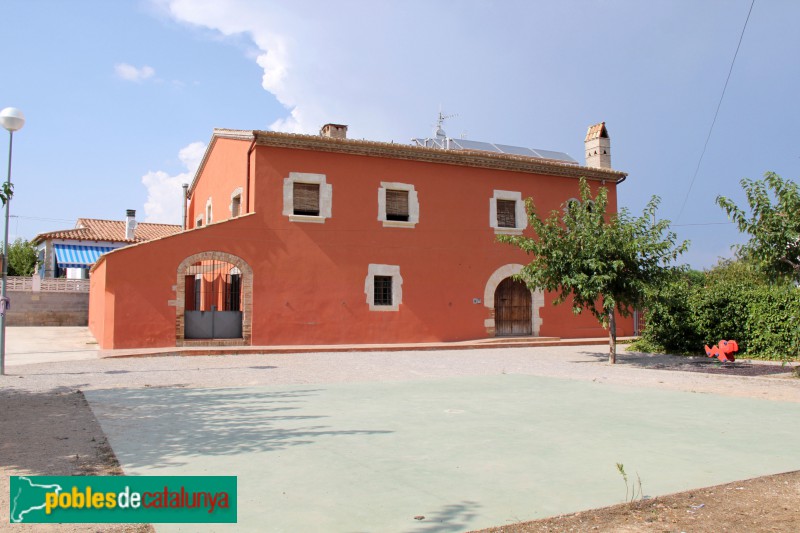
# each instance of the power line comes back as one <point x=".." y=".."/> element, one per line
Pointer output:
<point x="41" y="218"/>
<point x="696" y="170"/>
<point x="702" y="224"/>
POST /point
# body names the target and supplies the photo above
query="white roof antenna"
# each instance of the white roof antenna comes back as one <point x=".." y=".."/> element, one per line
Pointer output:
<point x="442" y="117"/>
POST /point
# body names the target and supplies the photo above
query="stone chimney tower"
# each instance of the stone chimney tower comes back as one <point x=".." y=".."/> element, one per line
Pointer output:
<point x="335" y="131"/>
<point x="130" y="224"/>
<point x="598" y="146"/>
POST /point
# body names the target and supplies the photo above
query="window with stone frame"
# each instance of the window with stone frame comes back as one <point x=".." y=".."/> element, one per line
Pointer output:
<point x="383" y="287"/>
<point x="507" y="213"/>
<point x="398" y="205"/>
<point x="307" y="197"/>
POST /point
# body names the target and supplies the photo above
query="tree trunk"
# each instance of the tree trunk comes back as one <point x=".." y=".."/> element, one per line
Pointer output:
<point x="612" y="338"/>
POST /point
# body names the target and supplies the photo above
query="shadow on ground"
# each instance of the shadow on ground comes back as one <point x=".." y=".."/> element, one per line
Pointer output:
<point x="691" y="363"/>
<point x="450" y="518"/>
<point x="179" y="424"/>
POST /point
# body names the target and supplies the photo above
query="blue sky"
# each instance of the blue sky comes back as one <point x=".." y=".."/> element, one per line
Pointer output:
<point x="121" y="97"/>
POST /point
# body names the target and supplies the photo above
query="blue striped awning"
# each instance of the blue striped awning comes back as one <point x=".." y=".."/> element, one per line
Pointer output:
<point x="76" y="256"/>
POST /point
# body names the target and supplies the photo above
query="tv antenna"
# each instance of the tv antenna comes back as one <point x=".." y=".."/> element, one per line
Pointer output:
<point x="440" y="120"/>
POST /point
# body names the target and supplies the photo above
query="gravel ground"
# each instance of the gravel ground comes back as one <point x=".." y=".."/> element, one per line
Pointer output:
<point x="55" y="434"/>
<point x="583" y="363"/>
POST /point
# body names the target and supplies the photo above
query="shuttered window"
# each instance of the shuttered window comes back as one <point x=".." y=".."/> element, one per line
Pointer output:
<point x="383" y="290"/>
<point x="396" y="205"/>
<point x="506" y="213"/>
<point x="306" y="199"/>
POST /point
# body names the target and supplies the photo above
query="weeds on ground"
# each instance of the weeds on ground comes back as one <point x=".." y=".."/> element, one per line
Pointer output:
<point x="632" y="490"/>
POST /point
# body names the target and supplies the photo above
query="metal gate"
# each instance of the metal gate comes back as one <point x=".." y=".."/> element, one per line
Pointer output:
<point x="213" y="301"/>
<point x="512" y="309"/>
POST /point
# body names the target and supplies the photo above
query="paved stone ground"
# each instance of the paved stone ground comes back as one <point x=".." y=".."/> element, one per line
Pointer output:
<point x="31" y="345"/>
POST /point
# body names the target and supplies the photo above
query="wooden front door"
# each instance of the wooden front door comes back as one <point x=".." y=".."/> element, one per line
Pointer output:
<point x="512" y="309"/>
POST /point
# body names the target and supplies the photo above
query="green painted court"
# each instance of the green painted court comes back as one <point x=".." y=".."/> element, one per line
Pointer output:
<point x="465" y="453"/>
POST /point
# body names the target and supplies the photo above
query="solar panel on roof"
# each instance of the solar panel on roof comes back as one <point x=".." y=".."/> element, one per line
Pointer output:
<point x="472" y="145"/>
<point x="466" y="144"/>
<point x="516" y="150"/>
<point x="549" y="154"/>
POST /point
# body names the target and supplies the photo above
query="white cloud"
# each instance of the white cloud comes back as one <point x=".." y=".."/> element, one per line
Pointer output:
<point x="164" y="192"/>
<point x="130" y="73"/>
<point x="324" y="64"/>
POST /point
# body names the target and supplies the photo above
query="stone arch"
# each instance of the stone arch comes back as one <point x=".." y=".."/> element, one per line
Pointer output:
<point x="247" y="299"/>
<point x="497" y="277"/>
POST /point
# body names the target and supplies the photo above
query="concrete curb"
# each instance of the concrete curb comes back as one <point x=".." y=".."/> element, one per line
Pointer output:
<point x="244" y="350"/>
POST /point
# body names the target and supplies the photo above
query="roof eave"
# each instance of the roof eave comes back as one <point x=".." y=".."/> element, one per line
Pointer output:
<point x="472" y="158"/>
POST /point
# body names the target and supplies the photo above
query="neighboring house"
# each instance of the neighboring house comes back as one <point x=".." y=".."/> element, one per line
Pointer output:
<point x="71" y="253"/>
<point x="305" y="239"/>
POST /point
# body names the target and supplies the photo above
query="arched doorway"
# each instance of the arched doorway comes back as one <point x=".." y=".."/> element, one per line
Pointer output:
<point x="213" y="300"/>
<point x="512" y="309"/>
<point x="489" y="291"/>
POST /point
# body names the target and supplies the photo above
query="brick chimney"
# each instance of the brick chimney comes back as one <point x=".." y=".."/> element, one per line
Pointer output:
<point x="598" y="146"/>
<point x="334" y="131"/>
<point x="130" y="224"/>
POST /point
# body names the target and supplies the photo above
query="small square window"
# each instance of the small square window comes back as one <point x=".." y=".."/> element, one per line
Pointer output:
<point x="306" y="199"/>
<point x="397" y="205"/>
<point x="383" y="290"/>
<point x="383" y="287"/>
<point x="506" y="213"/>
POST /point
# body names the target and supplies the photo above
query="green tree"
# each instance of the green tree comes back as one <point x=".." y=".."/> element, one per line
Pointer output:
<point x="602" y="261"/>
<point x="773" y="224"/>
<point x="22" y="258"/>
<point x="6" y="192"/>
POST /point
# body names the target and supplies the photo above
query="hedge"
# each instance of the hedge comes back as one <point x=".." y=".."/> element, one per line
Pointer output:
<point x="732" y="301"/>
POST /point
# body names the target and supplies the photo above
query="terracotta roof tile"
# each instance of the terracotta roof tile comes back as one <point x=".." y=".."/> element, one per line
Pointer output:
<point x="92" y="229"/>
<point x="595" y="131"/>
<point x="394" y="150"/>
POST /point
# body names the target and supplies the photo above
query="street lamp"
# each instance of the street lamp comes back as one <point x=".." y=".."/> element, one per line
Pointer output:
<point x="11" y="119"/>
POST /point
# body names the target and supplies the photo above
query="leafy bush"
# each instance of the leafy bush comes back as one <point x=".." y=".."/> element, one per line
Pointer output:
<point x="773" y="328"/>
<point x="670" y="322"/>
<point x="720" y="305"/>
<point x="732" y="301"/>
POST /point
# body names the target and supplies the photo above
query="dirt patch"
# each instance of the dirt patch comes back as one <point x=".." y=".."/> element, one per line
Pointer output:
<point x="767" y="503"/>
<point x="53" y="434"/>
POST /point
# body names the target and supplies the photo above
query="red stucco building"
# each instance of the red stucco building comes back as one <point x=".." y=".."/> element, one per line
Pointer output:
<point x="303" y="239"/>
